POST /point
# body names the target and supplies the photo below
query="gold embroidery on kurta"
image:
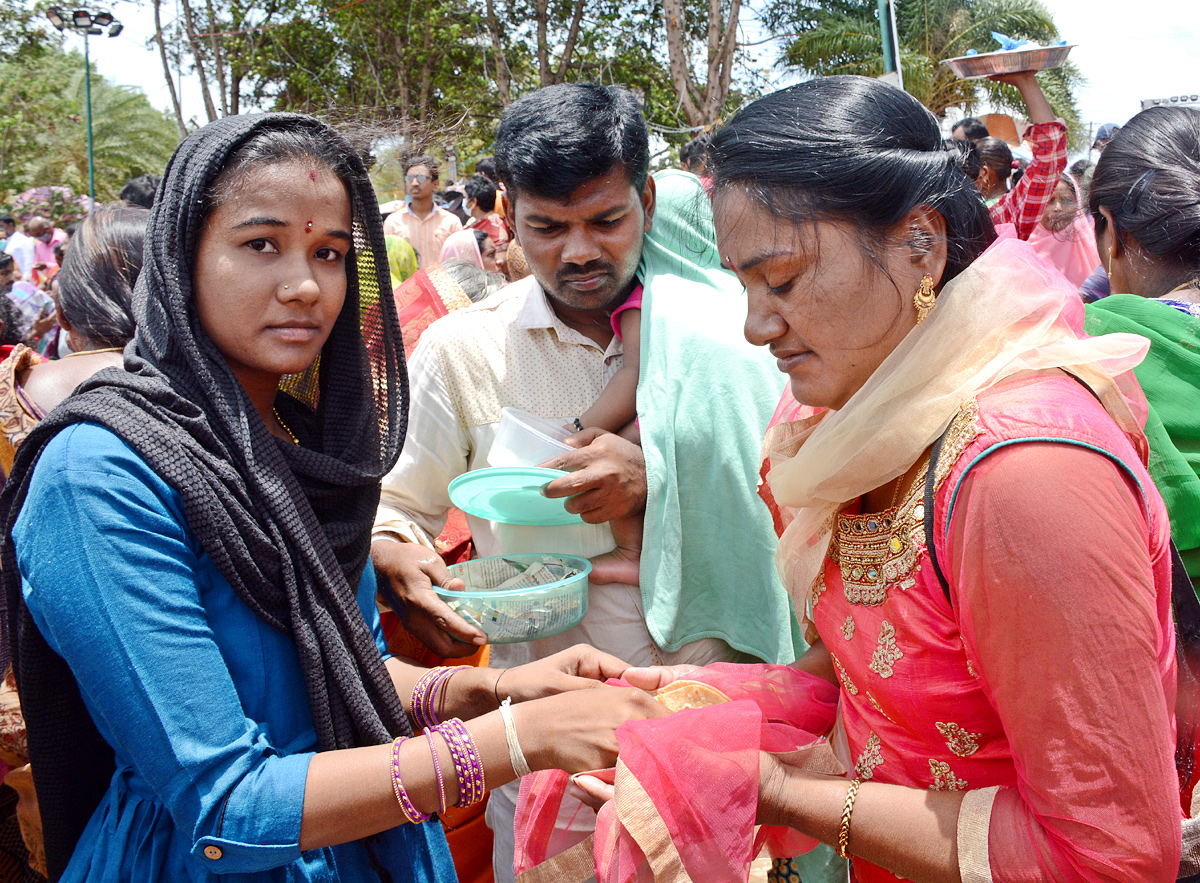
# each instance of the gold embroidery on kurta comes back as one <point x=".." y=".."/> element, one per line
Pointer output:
<point x="818" y="588"/>
<point x="971" y="670"/>
<point x="848" y="628"/>
<point x="963" y="430"/>
<point x="871" y="757"/>
<point x="944" y="778"/>
<point x="846" y="682"/>
<point x="875" y="551"/>
<point x="877" y="706"/>
<point x="886" y="653"/>
<point x="958" y="740"/>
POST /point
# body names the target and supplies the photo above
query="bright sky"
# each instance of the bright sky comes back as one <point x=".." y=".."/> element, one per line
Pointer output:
<point x="1125" y="57"/>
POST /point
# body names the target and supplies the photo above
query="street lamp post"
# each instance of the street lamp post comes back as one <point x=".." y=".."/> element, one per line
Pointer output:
<point x="89" y="24"/>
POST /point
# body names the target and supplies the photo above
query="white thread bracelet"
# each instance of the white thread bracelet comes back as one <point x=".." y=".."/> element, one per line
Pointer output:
<point x="515" y="755"/>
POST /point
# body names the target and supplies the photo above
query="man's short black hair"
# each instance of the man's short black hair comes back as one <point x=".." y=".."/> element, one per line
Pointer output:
<point x="486" y="166"/>
<point x="482" y="191"/>
<point x="6" y="218"/>
<point x="973" y="128"/>
<point x="558" y="138"/>
<point x="141" y="190"/>
<point x="428" y="161"/>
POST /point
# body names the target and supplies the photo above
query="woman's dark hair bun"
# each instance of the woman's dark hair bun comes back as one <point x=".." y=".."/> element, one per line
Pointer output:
<point x="857" y="150"/>
<point x="964" y="156"/>
<point x="1148" y="178"/>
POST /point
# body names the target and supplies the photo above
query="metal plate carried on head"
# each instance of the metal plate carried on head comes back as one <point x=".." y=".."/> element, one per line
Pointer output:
<point x="987" y="64"/>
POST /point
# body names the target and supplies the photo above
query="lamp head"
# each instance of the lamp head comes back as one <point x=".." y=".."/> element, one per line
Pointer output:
<point x="81" y="19"/>
<point x="55" y="14"/>
<point x="103" y="19"/>
<point x="115" y="28"/>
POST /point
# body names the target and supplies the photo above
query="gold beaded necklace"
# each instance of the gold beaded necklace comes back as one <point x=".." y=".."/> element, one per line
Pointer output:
<point x="284" y="427"/>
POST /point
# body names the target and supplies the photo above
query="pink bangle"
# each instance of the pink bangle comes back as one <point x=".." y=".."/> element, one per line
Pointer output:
<point x="437" y="769"/>
<point x="468" y="765"/>
<point x="406" y="805"/>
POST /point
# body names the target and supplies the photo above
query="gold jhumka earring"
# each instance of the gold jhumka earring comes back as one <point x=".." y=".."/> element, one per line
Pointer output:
<point x="925" y="298"/>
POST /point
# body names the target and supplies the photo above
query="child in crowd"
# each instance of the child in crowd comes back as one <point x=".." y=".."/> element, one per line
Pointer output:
<point x="616" y="411"/>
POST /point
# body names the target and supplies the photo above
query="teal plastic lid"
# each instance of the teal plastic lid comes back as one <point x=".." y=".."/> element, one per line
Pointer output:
<point x="512" y="495"/>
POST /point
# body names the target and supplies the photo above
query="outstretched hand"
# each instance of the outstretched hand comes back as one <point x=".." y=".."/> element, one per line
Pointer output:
<point x="581" y="667"/>
<point x="577" y="731"/>
<point x="607" y="476"/>
<point x="656" y="677"/>
<point x="409" y="572"/>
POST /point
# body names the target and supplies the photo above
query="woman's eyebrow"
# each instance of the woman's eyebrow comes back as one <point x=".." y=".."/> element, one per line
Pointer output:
<point x="264" y="221"/>
<point x="260" y="222"/>
<point x="766" y="256"/>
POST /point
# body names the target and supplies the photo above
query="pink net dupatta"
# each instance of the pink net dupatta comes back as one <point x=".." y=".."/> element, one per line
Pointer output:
<point x="687" y="786"/>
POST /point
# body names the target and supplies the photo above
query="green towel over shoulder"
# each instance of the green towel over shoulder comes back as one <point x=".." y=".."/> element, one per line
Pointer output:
<point x="705" y="397"/>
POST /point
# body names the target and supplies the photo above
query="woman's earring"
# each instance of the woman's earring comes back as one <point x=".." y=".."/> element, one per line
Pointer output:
<point x="925" y="298"/>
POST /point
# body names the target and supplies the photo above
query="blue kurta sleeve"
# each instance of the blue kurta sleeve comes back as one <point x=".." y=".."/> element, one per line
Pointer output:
<point x="111" y="576"/>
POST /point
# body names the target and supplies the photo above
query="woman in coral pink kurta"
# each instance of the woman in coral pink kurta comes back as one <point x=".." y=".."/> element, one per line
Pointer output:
<point x="1018" y="726"/>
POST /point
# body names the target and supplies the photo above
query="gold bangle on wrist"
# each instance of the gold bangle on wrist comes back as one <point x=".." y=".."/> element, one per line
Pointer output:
<point x="844" y="834"/>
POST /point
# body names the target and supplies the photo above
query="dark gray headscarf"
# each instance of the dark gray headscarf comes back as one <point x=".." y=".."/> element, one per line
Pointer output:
<point x="288" y="526"/>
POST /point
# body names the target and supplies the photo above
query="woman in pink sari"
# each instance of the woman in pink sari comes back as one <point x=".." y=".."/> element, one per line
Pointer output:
<point x="1007" y="708"/>
<point x="1065" y="238"/>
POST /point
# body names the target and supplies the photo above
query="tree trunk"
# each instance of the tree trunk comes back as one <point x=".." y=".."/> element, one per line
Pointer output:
<point x="545" y="77"/>
<point x="218" y="59"/>
<point x="564" y="63"/>
<point x="198" y="59"/>
<point x="720" y="65"/>
<point x="702" y="105"/>
<point x="677" y="55"/>
<point x="503" y="76"/>
<point x="426" y="70"/>
<point x="162" y="53"/>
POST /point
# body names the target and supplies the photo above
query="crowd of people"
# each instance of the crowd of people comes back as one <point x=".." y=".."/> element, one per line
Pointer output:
<point x="892" y="436"/>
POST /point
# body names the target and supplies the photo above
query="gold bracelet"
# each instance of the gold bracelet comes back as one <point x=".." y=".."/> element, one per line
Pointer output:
<point x="844" y="833"/>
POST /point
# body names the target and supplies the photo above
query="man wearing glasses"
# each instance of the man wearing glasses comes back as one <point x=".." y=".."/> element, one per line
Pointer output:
<point x="424" y="224"/>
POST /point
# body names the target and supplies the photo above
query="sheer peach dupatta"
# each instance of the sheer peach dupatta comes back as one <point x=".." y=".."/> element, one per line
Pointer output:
<point x="1008" y="312"/>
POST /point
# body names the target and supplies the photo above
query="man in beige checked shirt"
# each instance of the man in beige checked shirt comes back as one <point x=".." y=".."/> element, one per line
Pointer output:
<point x="575" y="160"/>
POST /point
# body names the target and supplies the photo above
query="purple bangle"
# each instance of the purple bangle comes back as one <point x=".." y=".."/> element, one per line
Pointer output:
<point x="468" y="765"/>
<point x="421" y="701"/>
<point x="424" y="694"/>
<point x="437" y="769"/>
<point x="406" y="805"/>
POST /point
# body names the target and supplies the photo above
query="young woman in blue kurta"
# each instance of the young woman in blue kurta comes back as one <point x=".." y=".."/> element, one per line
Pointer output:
<point x="191" y="536"/>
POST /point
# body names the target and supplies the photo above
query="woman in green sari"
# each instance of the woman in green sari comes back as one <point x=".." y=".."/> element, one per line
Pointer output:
<point x="1145" y="198"/>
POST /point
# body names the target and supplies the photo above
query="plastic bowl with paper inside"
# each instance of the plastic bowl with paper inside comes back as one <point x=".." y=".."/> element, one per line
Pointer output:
<point x="517" y="598"/>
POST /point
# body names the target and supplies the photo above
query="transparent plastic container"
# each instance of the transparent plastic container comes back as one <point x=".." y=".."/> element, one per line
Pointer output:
<point x="524" y="439"/>
<point x="512" y="616"/>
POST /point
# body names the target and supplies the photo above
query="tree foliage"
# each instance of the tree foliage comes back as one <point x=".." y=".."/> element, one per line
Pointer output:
<point x="43" y="127"/>
<point x="842" y="37"/>
<point x="438" y="74"/>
